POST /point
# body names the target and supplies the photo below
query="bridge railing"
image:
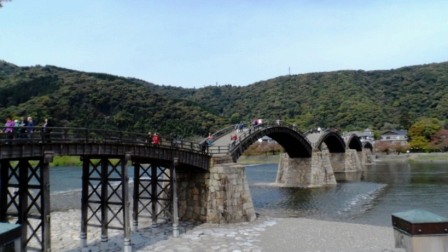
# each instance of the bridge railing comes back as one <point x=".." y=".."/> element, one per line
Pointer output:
<point x="248" y="131"/>
<point x="218" y="150"/>
<point x="43" y="135"/>
<point x="218" y="134"/>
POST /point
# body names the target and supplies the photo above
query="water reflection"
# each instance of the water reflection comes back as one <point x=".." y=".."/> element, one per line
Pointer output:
<point x="348" y="176"/>
<point x="368" y="197"/>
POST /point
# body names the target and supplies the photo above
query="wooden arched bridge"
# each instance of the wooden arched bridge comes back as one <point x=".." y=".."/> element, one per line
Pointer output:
<point x="295" y="143"/>
<point x="25" y="162"/>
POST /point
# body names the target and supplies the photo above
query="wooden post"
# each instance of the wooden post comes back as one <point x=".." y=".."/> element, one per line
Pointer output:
<point x="104" y="203"/>
<point x="175" y="203"/>
<point x="154" y="183"/>
<point x="45" y="200"/>
<point x="136" y="196"/>
<point x="23" y="201"/>
<point x="125" y="192"/>
<point x="4" y="169"/>
<point x="84" y="200"/>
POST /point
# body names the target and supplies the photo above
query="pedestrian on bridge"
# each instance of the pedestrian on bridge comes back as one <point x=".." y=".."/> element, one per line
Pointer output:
<point x="30" y="127"/>
<point x="209" y="139"/>
<point x="204" y="147"/>
<point x="148" y="139"/>
<point x="234" y="138"/>
<point x="9" y="129"/>
<point x="156" y="139"/>
<point x="174" y="140"/>
<point x="47" y="128"/>
<point x="22" y="126"/>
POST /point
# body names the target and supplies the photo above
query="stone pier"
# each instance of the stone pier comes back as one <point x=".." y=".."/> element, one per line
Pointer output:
<point x="366" y="156"/>
<point x="338" y="162"/>
<point x="346" y="162"/>
<point x="220" y="196"/>
<point x="353" y="160"/>
<point x="315" y="171"/>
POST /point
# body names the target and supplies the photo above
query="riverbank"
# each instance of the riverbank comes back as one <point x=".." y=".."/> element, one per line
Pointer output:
<point x="264" y="234"/>
<point x="414" y="157"/>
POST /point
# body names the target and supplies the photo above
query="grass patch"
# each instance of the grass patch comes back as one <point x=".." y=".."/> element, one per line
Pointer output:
<point x="66" y="161"/>
<point x="429" y="157"/>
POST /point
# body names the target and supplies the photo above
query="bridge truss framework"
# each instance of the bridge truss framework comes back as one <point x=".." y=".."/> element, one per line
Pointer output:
<point x="25" y="196"/>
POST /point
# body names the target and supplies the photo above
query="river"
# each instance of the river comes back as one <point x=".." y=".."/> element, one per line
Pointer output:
<point x="368" y="197"/>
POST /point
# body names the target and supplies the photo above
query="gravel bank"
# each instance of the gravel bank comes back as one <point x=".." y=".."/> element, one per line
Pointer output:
<point x="303" y="234"/>
<point x="265" y="234"/>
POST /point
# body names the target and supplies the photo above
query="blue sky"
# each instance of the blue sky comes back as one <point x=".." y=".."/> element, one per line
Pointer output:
<point x="192" y="43"/>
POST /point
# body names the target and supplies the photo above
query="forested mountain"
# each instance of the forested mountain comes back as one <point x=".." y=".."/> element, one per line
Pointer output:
<point x="77" y="99"/>
<point x="350" y="100"/>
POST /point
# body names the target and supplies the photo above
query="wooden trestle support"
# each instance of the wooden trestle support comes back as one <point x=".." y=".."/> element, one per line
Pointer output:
<point x="25" y="199"/>
<point x="152" y="192"/>
<point x="105" y="198"/>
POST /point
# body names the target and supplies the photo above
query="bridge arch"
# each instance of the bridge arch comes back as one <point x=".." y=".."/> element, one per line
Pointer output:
<point x="354" y="142"/>
<point x="333" y="140"/>
<point x="368" y="145"/>
<point x="294" y="142"/>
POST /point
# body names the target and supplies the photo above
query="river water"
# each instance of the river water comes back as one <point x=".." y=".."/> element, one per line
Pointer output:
<point x="368" y="197"/>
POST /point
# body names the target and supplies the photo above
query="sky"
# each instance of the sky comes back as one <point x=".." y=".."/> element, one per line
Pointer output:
<point x="192" y="43"/>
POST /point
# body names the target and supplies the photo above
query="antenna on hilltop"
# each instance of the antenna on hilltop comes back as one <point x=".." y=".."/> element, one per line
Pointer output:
<point x="289" y="71"/>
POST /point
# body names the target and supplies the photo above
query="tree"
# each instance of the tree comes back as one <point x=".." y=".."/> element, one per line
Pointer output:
<point x="425" y="127"/>
<point x="440" y="140"/>
<point x="391" y="147"/>
<point x="422" y="131"/>
<point x="1" y="2"/>
<point x="419" y="143"/>
<point x="235" y="118"/>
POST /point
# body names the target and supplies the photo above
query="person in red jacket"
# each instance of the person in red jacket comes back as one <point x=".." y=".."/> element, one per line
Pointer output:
<point x="156" y="139"/>
<point x="234" y="138"/>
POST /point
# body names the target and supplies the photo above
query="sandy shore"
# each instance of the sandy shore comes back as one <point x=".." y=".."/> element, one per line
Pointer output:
<point x="264" y="234"/>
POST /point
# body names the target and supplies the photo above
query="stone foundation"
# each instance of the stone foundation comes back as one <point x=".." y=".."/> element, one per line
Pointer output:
<point x="352" y="161"/>
<point x="337" y="162"/>
<point x="221" y="196"/>
<point x="367" y="157"/>
<point x="192" y="195"/>
<point x="305" y="172"/>
<point x="229" y="199"/>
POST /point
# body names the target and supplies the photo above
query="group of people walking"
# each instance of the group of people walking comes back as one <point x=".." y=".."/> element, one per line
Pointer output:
<point x="23" y="128"/>
<point x="156" y="139"/>
<point x="153" y="139"/>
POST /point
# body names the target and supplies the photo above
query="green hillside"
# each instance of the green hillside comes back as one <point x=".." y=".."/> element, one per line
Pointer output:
<point x="77" y="99"/>
<point x="350" y="100"/>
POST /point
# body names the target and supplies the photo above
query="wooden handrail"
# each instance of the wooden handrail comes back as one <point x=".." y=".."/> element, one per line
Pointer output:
<point x="42" y="135"/>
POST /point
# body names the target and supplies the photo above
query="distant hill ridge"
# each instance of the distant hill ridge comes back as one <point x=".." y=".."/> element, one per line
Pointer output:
<point x="350" y="100"/>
